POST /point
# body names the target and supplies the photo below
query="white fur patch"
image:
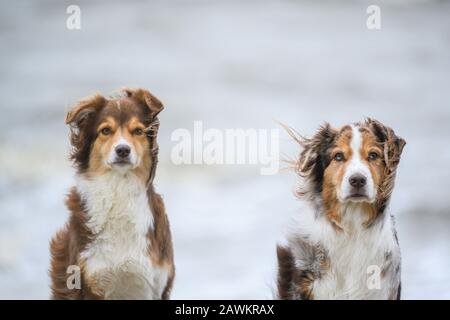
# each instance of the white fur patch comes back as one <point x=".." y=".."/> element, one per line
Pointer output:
<point x="356" y="166"/>
<point x="120" y="217"/>
<point x="351" y="253"/>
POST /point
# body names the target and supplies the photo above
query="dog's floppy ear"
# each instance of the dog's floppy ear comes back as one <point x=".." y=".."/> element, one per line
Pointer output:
<point x="313" y="158"/>
<point x="392" y="149"/>
<point x="155" y="106"/>
<point x="392" y="144"/>
<point x="83" y="109"/>
<point x="145" y="97"/>
<point x="315" y="148"/>
<point x="81" y="137"/>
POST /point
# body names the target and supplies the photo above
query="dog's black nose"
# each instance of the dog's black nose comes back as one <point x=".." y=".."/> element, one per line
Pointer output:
<point x="357" y="181"/>
<point x="123" y="150"/>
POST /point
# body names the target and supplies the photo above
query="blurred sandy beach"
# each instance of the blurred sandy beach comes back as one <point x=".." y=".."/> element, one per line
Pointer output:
<point x="230" y="64"/>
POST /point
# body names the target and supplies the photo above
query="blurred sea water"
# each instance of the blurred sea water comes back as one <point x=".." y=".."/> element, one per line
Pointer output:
<point x="229" y="64"/>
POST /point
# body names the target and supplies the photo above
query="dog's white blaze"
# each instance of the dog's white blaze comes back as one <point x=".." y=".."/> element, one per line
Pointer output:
<point x="120" y="218"/>
<point x="356" y="166"/>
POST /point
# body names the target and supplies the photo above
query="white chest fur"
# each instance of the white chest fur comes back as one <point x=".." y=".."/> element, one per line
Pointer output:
<point x="357" y="258"/>
<point x="120" y="218"/>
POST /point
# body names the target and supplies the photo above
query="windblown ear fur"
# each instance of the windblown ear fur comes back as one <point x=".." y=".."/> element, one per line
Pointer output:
<point x="155" y="106"/>
<point x="315" y="148"/>
<point x="85" y="107"/>
<point x="392" y="144"/>
<point x="80" y="135"/>
<point x="146" y="98"/>
<point x="314" y="158"/>
<point x="392" y="148"/>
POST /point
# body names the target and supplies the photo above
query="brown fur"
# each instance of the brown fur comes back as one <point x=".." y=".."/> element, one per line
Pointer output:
<point x="294" y="283"/>
<point x="138" y="109"/>
<point x="65" y="248"/>
<point x="392" y="147"/>
<point x="161" y="249"/>
<point x="333" y="175"/>
<point x="286" y="270"/>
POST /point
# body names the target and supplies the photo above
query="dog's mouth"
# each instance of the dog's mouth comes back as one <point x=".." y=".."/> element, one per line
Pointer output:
<point x="357" y="197"/>
<point x="121" y="162"/>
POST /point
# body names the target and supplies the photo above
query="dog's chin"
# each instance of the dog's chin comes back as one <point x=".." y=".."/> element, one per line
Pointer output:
<point x="359" y="198"/>
<point x="121" y="165"/>
<point x="356" y="198"/>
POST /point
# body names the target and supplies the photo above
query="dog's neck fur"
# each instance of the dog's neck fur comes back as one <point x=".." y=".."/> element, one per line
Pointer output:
<point x="119" y="216"/>
<point x="355" y="217"/>
<point x="112" y="196"/>
<point x="351" y="250"/>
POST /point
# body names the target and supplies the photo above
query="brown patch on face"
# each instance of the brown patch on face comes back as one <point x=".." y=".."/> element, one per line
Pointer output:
<point x="154" y="106"/>
<point x="391" y="147"/>
<point x="136" y="133"/>
<point x="103" y="145"/>
<point x="334" y="173"/>
<point x="371" y="155"/>
<point x="81" y="120"/>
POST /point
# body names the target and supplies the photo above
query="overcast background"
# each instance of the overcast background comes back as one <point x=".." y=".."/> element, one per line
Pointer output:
<point x="231" y="64"/>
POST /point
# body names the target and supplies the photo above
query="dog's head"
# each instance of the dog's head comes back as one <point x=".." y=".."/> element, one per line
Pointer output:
<point x="115" y="134"/>
<point x="352" y="164"/>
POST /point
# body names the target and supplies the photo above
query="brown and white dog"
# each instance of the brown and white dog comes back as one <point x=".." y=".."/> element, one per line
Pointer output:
<point x="118" y="233"/>
<point x="345" y="245"/>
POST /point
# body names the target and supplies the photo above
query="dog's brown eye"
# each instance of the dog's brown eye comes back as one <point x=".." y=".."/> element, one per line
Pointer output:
<point x="106" y="131"/>
<point x="339" y="156"/>
<point x="138" y="132"/>
<point x="373" y="156"/>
